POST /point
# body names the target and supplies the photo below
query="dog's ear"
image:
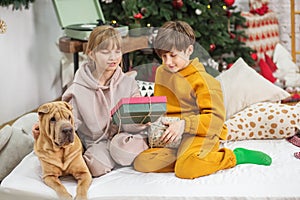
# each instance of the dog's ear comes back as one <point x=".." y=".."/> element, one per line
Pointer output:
<point x="43" y="109"/>
<point x="68" y="106"/>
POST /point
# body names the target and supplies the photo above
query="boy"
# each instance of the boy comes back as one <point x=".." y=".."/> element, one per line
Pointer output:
<point x="196" y="98"/>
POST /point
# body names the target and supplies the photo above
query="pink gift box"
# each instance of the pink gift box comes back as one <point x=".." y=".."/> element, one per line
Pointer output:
<point x="137" y="110"/>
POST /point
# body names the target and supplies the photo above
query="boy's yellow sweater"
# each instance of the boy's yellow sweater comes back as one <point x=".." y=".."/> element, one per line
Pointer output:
<point x="195" y="96"/>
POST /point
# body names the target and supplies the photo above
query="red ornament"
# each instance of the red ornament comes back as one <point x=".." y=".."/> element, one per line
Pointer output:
<point x="212" y="47"/>
<point x="229" y="65"/>
<point x="228" y="13"/>
<point x="229" y="2"/>
<point x="254" y="56"/>
<point x="177" y="3"/>
<point x="232" y="36"/>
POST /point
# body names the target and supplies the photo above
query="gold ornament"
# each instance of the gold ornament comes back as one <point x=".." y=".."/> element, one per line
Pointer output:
<point x="3" y="26"/>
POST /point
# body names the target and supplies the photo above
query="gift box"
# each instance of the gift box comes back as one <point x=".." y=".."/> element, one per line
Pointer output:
<point x="157" y="129"/>
<point x="139" y="110"/>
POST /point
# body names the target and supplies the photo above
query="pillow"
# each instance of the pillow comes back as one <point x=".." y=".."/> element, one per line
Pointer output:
<point x="287" y="70"/>
<point x="264" y="121"/>
<point x="243" y="86"/>
<point x="15" y="144"/>
<point x="26" y="122"/>
<point x="280" y="52"/>
<point x="146" y="88"/>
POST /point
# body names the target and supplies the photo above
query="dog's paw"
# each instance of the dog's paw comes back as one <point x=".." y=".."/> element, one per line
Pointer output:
<point x="81" y="197"/>
<point x="65" y="197"/>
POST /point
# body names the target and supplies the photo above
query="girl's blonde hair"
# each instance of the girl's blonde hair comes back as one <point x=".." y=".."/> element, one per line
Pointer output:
<point x="103" y="37"/>
<point x="177" y="35"/>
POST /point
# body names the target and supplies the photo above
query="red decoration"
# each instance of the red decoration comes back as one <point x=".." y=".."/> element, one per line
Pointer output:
<point x="212" y="47"/>
<point x="261" y="11"/>
<point x="266" y="71"/>
<point x="138" y="16"/>
<point x="270" y="62"/>
<point x="177" y="3"/>
<point x="232" y="36"/>
<point x="229" y="65"/>
<point x="254" y="56"/>
<point x="228" y="13"/>
<point x="229" y="2"/>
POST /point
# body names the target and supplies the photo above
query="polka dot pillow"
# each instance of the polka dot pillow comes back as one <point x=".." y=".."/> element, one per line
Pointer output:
<point x="264" y="121"/>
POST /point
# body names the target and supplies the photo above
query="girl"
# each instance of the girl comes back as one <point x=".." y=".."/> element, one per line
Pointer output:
<point x="97" y="87"/>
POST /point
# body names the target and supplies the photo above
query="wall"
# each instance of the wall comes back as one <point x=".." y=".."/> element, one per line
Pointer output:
<point x="30" y="59"/>
<point x="282" y="9"/>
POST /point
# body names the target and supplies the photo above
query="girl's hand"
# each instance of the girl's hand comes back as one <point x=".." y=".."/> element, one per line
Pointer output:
<point x="35" y="131"/>
<point x="174" y="131"/>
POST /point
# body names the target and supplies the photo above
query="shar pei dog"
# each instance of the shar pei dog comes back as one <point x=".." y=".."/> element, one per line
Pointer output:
<point x="59" y="150"/>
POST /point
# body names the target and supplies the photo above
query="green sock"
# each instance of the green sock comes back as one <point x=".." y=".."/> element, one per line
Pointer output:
<point x="244" y="156"/>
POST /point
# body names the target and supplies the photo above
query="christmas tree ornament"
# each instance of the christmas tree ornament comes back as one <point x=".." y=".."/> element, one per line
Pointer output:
<point x="232" y="36"/>
<point x="198" y="12"/>
<point x="143" y="10"/>
<point x="114" y="23"/>
<point x="228" y="13"/>
<point x="229" y="2"/>
<point x="212" y="47"/>
<point x="177" y="3"/>
<point x="224" y="66"/>
<point x="3" y="26"/>
<point x="229" y="65"/>
<point x="254" y="56"/>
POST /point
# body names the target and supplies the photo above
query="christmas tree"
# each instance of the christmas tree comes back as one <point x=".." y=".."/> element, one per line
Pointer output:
<point x="16" y="4"/>
<point x="217" y="24"/>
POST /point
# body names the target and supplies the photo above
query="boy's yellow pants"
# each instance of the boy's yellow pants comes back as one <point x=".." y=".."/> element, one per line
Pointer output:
<point x="196" y="156"/>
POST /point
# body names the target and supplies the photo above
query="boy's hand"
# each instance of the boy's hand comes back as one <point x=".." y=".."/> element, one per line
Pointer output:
<point x="173" y="132"/>
<point x="36" y="131"/>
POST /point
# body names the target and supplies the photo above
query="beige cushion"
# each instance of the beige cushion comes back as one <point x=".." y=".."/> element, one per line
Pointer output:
<point x="16" y="142"/>
<point x="243" y="86"/>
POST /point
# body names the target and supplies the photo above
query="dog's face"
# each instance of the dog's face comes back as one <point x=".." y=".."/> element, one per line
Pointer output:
<point x="57" y="123"/>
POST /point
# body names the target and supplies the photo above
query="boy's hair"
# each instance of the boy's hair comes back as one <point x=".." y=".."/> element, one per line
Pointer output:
<point x="173" y="35"/>
<point x="103" y="37"/>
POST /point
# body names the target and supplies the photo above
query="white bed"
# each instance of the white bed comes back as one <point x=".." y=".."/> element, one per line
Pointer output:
<point x="281" y="180"/>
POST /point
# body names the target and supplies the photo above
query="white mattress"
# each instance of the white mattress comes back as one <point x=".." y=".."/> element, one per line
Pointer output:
<point x="281" y="180"/>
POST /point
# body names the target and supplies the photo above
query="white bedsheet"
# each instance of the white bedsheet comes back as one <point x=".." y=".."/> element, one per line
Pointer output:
<point x="281" y="180"/>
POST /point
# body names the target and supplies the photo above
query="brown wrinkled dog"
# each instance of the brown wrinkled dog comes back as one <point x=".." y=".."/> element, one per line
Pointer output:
<point x="60" y="150"/>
